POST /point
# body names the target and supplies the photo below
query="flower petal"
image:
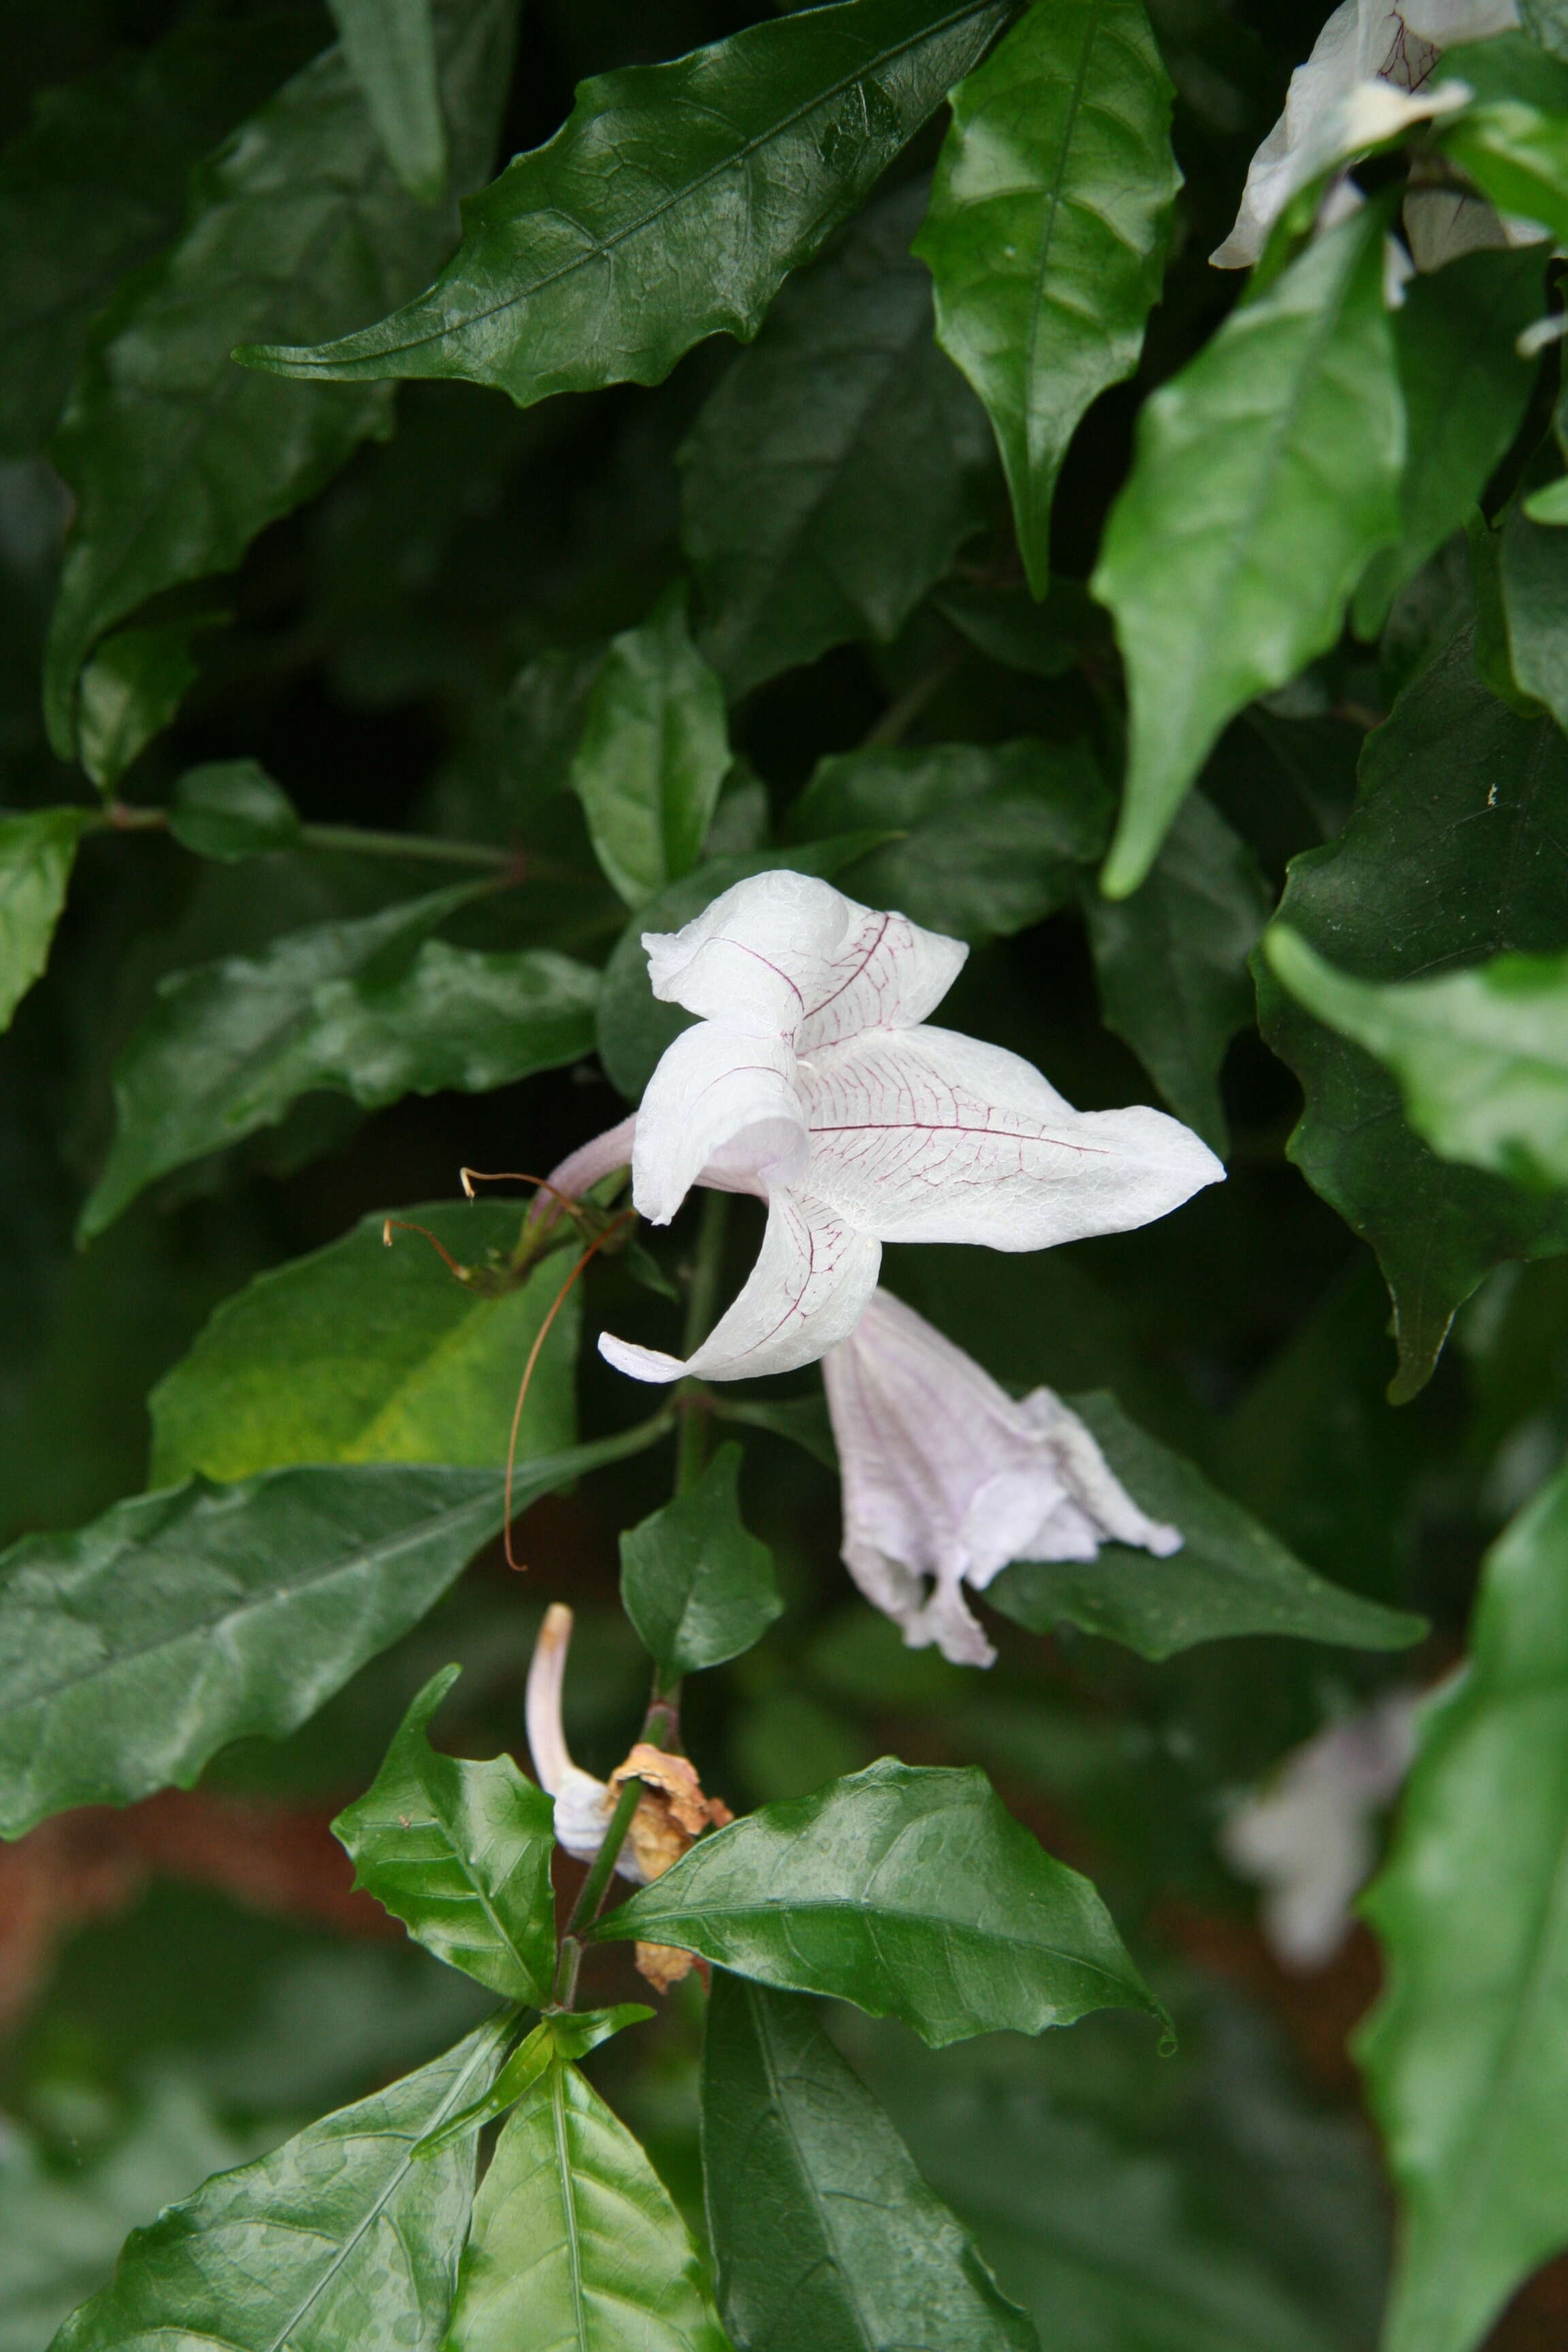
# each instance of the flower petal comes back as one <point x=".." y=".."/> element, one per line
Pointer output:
<point x="888" y="974"/>
<point x="1093" y="1485"/>
<point x="928" y="1136"/>
<point x="579" y="1172"/>
<point x="757" y="956"/>
<point x="806" y="1292"/>
<point x="719" y="1099"/>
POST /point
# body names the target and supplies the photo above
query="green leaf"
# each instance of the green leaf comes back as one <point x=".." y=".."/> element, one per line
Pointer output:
<point x="1265" y="478"/>
<point x="232" y="809"/>
<point x="1481" y="1057"/>
<point x="175" y="457"/>
<point x="1547" y="22"/>
<point x="653" y="753"/>
<point x="1006" y="624"/>
<point x="575" y="2244"/>
<point x="98" y="182"/>
<point x="1532" y="578"/>
<point x="337" y="2237"/>
<point x="1047" y="237"/>
<point x="696" y="1587"/>
<point x="390" y="46"/>
<point x="37" y="853"/>
<point x="562" y="2033"/>
<point x="909" y="1890"/>
<point x="1453" y="851"/>
<point x="131" y="690"/>
<point x="1171" y="960"/>
<point x="996" y="835"/>
<point x="803" y="1420"/>
<point x="795" y="497"/>
<point x="823" y="2231"/>
<point x="1512" y="140"/>
<point x="602" y="255"/>
<point x="1549" y="505"/>
<point x="362" y="1008"/>
<point x="460" y="1852"/>
<point x="1467" y="2054"/>
<point x="1230" y="1577"/>
<point x="1465" y="388"/>
<point x="633" y="1027"/>
<point x="364" y="1353"/>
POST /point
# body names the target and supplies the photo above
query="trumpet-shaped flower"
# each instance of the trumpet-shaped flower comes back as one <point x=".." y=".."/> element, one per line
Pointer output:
<point x="947" y="1479"/>
<point x="812" y="1079"/>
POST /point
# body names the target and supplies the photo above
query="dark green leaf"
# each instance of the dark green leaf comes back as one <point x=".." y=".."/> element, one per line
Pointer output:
<point x="996" y="835"/>
<point x="177" y="459"/>
<point x="230" y="809"/>
<point x="605" y="255"/>
<point x="1533" y="580"/>
<point x="1481" y="1057"/>
<point x="652" y="755"/>
<point x="361" y="1353"/>
<point x="634" y="1026"/>
<point x="698" y="1588"/>
<point x="460" y="1852"/>
<point x="1007" y="625"/>
<point x="1047" y="230"/>
<point x="374" y="1009"/>
<point x="1227" y="560"/>
<point x="1230" y="1577"/>
<point x="796" y="505"/>
<point x="1466" y="2055"/>
<point x="803" y="1420"/>
<point x="337" y="2238"/>
<point x="391" y="48"/>
<point x="1465" y="388"/>
<point x="98" y="182"/>
<point x="1454" y="850"/>
<point x="131" y="690"/>
<point x="908" y="1890"/>
<point x="1171" y="960"/>
<point x="575" y="2243"/>
<point x="1512" y="140"/>
<point x="37" y="853"/>
<point x="561" y="2033"/>
<point x="823" y="2231"/>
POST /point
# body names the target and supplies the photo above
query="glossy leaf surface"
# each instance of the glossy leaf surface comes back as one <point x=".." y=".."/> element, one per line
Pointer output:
<point x="362" y="1353"/>
<point x="37" y="853"/>
<point x="1466" y="2055"/>
<point x="671" y="205"/>
<point x="996" y="835"/>
<point x="698" y="1587"/>
<point x="460" y="1852"/>
<point x="794" y="497"/>
<point x="176" y="458"/>
<point x="1532" y="579"/>
<point x="390" y="46"/>
<point x="575" y="2245"/>
<point x="1047" y="229"/>
<point x="1230" y="1577"/>
<point x="653" y="753"/>
<point x="824" y="2232"/>
<point x="909" y="1890"/>
<point x="131" y="690"/>
<point x="1225" y="566"/>
<point x="339" y="2237"/>
<point x="1453" y="851"/>
<point x="232" y="808"/>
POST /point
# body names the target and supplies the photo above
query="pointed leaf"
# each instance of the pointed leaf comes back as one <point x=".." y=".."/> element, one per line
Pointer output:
<point x="460" y="1852"/>
<point x="653" y="753"/>
<point x="1512" y="139"/>
<point x="671" y="205"/>
<point x="176" y="458"/>
<point x="339" y="2237"/>
<point x="131" y="690"/>
<point x="1230" y="1577"/>
<point x="575" y="2245"/>
<point x="1454" y="850"/>
<point x="823" y="2231"/>
<point x="390" y="46"/>
<point x="562" y="2033"/>
<point x="996" y="835"/>
<point x="37" y="853"/>
<point x="1047" y="229"/>
<point x="795" y="504"/>
<point x="1467" y="2054"/>
<point x="230" y="809"/>
<point x="1532" y="576"/>
<point x="696" y="1586"/>
<point x="361" y="1353"/>
<point x="908" y="1890"/>
<point x="1267" y="476"/>
<point x="1171" y="960"/>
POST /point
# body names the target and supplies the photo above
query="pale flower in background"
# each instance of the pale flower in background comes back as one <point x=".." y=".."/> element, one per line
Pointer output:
<point x="947" y="1480"/>
<point x="1308" y="1838"/>
<point x="813" y="1080"/>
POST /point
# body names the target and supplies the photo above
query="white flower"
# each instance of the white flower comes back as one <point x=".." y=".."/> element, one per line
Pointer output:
<point x="813" y="1080"/>
<point x="946" y="1479"/>
<point x="583" y="1804"/>
<point x="1367" y="78"/>
<point x="1308" y="1838"/>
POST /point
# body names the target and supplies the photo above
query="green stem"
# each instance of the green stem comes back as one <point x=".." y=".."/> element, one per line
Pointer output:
<point x="658" y="1724"/>
<point x="120" y="816"/>
<point x="701" y="1301"/>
